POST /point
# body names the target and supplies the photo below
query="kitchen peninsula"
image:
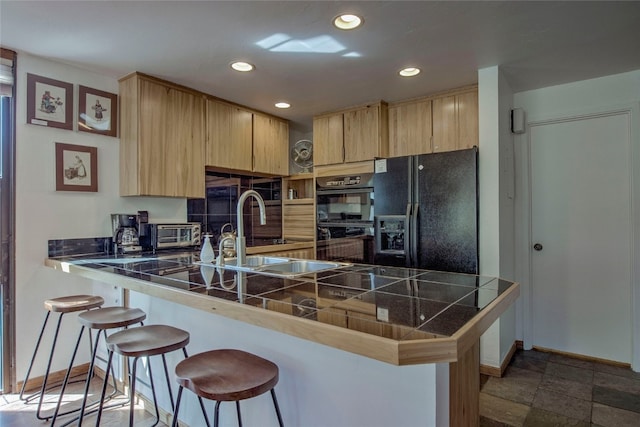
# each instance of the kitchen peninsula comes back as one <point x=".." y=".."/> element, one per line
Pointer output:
<point x="358" y="345"/>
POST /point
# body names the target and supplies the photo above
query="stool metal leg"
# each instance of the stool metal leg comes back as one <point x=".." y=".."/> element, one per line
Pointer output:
<point x="46" y="373"/>
<point x="174" y="422"/>
<point x="66" y="378"/>
<point x="104" y="388"/>
<point x="238" y="412"/>
<point x="275" y="403"/>
<point x="33" y="358"/>
<point x="216" y="414"/>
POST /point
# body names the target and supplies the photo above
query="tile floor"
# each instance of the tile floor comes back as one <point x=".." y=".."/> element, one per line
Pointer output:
<point x="541" y="389"/>
<point x="16" y="413"/>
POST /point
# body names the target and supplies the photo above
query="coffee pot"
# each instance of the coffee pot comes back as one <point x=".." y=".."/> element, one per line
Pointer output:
<point x="229" y="248"/>
<point x="125" y="233"/>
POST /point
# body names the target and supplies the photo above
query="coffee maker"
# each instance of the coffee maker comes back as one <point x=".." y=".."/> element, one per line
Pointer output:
<point x="125" y="228"/>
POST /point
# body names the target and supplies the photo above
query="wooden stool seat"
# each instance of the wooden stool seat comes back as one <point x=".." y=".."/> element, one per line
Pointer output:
<point x="71" y="303"/>
<point x="60" y="305"/>
<point x="148" y="340"/>
<point x="227" y="375"/>
<point x="111" y="317"/>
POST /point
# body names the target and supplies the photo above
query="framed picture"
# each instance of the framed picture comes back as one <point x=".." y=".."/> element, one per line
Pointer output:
<point x="76" y="168"/>
<point x="98" y="111"/>
<point x="49" y="102"/>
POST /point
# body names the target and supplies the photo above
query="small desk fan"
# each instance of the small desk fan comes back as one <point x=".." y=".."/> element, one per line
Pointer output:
<point x="302" y="154"/>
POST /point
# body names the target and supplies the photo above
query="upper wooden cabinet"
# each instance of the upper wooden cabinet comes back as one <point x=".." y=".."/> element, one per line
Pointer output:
<point x="161" y="139"/>
<point x="455" y="121"/>
<point x="270" y="145"/>
<point x="410" y="128"/>
<point x="229" y="136"/>
<point x="328" y="137"/>
<point x="351" y="135"/>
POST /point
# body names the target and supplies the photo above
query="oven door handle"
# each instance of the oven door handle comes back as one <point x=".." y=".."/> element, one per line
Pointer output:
<point x="334" y="191"/>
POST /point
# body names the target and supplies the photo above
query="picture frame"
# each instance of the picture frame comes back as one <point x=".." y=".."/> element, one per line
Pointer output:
<point x="49" y="102"/>
<point x="97" y="111"/>
<point x="76" y="168"/>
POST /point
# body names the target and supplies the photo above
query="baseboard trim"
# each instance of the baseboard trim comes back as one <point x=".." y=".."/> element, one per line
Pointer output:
<point x="495" y="371"/>
<point x="583" y="357"/>
<point x="55" y="378"/>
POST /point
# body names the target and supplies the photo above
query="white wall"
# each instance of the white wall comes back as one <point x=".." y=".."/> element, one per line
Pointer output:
<point x="605" y="93"/>
<point x="496" y="176"/>
<point x="43" y="214"/>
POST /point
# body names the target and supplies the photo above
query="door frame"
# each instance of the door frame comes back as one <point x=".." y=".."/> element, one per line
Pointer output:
<point x="523" y="235"/>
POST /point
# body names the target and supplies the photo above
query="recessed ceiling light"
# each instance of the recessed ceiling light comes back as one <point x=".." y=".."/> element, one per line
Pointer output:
<point x="283" y="105"/>
<point x="242" y="66"/>
<point x="347" y="22"/>
<point x="409" y="72"/>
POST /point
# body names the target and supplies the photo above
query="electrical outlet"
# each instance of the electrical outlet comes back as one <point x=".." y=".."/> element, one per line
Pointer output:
<point x="382" y="314"/>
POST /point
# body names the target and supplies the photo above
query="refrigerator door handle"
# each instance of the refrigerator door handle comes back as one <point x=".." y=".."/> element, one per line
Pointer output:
<point x="414" y="235"/>
<point x="408" y="237"/>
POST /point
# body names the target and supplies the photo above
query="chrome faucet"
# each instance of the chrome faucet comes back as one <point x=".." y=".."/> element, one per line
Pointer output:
<point x="220" y="259"/>
<point x="241" y="242"/>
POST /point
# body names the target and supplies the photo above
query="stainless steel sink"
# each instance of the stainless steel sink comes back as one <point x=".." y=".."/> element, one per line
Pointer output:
<point x="255" y="261"/>
<point x="282" y="267"/>
<point x="300" y="266"/>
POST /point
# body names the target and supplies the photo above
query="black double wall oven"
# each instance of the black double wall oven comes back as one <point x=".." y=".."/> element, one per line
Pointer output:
<point x="345" y="214"/>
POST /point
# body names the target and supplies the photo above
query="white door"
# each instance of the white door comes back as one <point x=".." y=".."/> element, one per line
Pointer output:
<point x="581" y="220"/>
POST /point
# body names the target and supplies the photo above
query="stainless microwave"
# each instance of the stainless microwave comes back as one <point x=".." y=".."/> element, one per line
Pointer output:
<point x="168" y="236"/>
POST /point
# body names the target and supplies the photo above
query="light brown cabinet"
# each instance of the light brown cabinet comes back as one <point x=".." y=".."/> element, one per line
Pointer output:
<point x="410" y="128"/>
<point x="455" y="121"/>
<point x="270" y="145"/>
<point x="352" y="135"/>
<point x="365" y="133"/>
<point x="328" y="137"/>
<point x="161" y="139"/>
<point x="299" y="213"/>
<point x="229" y="136"/>
<point x="242" y="140"/>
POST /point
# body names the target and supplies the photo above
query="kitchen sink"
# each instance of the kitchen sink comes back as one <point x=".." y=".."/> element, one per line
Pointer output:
<point x="281" y="267"/>
<point x="255" y="261"/>
<point x="299" y="267"/>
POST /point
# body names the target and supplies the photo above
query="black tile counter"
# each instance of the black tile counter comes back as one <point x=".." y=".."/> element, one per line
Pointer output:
<point x="406" y="339"/>
<point x="410" y="309"/>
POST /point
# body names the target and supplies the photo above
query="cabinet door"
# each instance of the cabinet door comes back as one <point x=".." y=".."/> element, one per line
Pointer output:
<point x="270" y="145"/>
<point x="410" y="129"/>
<point x="171" y="142"/>
<point x="229" y="136"/>
<point x="444" y="124"/>
<point x="362" y="134"/>
<point x="467" y="110"/>
<point x="328" y="140"/>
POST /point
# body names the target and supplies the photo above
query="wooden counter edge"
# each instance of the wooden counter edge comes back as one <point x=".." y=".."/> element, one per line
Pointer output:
<point x="410" y="352"/>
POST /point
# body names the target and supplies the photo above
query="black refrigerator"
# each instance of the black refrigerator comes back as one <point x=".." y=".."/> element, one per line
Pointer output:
<point x="426" y="211"/>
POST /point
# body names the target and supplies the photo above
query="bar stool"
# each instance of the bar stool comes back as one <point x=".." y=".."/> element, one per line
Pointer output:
<point x="101" y="320"/>
<point x="62" y="305"/>
<point x="145" y="341"/>
<point x="226" y="376"/>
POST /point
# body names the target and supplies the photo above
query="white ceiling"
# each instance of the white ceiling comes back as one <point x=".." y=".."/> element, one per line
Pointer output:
<point x="301" y="58"/>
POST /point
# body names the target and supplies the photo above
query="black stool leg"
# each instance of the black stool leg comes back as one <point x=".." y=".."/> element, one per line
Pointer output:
<point x="238" y="412"/>
<point x="275" y="403"/>
<point x="33" y="358"/>
<point x="174" y="422"/>
<point x="215" y="414"/>
<point x="66" y="378"/>
<point x="104" y="388"/>
<point x="46" y="374"/>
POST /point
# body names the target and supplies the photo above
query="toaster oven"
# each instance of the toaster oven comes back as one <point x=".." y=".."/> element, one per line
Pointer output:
<point x="171" y="236"/>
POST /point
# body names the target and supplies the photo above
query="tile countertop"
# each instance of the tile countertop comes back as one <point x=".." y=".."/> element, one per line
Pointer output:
<point x="396" y="315"/>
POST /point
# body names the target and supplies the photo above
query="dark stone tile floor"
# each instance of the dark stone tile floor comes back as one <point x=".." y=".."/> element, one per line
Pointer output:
<point x="542" y="389"/>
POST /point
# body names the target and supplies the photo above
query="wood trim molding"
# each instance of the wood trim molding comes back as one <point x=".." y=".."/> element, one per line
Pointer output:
<point x="494" y="371"/>
<point x="7" y="54"/>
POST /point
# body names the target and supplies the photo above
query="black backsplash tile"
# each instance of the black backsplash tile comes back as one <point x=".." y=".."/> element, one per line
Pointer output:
<point x="86" y="246"/>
